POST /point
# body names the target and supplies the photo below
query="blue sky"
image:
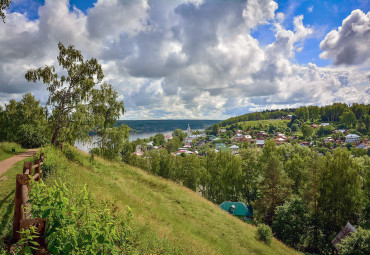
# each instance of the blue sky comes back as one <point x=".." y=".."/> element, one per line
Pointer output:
<point x="198" y="58"/>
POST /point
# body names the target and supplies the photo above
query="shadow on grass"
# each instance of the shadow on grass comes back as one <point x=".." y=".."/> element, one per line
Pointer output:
<point x="8" y="213"/>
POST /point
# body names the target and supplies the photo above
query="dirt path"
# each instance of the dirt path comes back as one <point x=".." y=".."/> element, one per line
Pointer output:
<point x="6" y="164"/>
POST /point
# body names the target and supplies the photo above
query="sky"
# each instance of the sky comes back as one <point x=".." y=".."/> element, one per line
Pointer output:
<point x="197" y="59"/>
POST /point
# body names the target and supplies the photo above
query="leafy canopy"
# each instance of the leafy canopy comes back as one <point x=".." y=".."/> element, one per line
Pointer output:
<point x="77" y="106"/>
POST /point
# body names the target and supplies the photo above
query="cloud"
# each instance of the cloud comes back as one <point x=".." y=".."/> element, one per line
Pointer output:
<point x="349" y="44"/>
<point x="179" y="59"/>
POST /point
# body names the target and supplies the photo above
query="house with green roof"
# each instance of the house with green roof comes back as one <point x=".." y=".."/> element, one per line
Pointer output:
<point x="220" y="145"/>
<point x="238" y="209"/>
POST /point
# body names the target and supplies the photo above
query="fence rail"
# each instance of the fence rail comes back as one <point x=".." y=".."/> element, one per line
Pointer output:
<point x="22" y="215"/>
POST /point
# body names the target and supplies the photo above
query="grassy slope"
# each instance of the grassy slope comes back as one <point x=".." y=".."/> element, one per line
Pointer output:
<point x="6" y="149"/>
<point x="169" y="210"/>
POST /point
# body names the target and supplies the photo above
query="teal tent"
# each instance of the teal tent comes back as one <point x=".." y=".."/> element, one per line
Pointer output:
<point x="238" y="209"/>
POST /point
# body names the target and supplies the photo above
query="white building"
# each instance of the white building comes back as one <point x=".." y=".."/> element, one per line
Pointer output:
<point x="234" y="149"/>
<point x="352" y="138"/>
<point x="189" y="130"/>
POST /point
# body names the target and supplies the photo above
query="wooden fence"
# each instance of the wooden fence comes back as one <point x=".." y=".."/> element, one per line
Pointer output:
<point x="22" y="216"/>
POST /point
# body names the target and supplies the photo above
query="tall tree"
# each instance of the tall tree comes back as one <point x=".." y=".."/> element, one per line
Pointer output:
<point x="24" y="122"/>
<point x="275" y="186"/>
<point x="77" y="106"/>
<point x="340" y="196"/>
<point x="348" y="118"/>
<point x="306" y="130"/>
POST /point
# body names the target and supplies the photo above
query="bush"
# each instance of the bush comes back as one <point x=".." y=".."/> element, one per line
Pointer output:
<point x="357" y="243"/>
<point x="290" y="222"/>
<point x="74" y="225"/>
<point x="264" y="233"/>
<point x="30" y="136"/>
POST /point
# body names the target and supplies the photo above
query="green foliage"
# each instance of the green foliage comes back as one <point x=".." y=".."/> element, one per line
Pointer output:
<point x="74" y="225"/>
<point x="174" y="144"/>
<point x="306" y="130"/>
<point x="4" y="4"/>
<point x="290" y="223"/>
<point x="264" y="233"/>
<point x="178" y="133"/>
<point x="30" y="136"/>
<point x="6" y="149"/>
<point x="27" y="242"/>
<point x="340" y="194"/>
<point x="324" y="130"/>
<point x="358" y="243"/>
<point x="348" y="118"/>
<point x="159" y="140"/>
<point x="275" y="186"/>
<point x="77" y="106"/>
<point x="302" y="113"/>
<point x="214" y="130"/>
<point x="24" y="122"/>
<point x="112" y="142"/>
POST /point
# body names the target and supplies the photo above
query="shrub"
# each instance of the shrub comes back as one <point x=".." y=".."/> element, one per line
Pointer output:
<point x="357" y="243"/>
<point x="74" y="225"/>
<point x="31" y="136"/>
<point x="264" y="233"/>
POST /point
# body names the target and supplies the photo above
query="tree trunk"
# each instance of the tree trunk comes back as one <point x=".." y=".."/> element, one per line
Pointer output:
<point x="55" y="135"/>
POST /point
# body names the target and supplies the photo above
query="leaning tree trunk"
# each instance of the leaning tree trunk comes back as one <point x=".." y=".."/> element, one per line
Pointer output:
<point x="55" y="135"/>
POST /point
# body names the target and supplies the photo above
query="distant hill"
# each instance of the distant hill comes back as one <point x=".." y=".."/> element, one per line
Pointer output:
<point x="179" y="216"/>
<point x="166" y="125"/>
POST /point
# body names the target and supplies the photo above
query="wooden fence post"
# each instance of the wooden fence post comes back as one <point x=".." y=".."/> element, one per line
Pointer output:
<point x="38" y="169"/>
<point x="27" y="165"/>
<point x="22" y="188"/>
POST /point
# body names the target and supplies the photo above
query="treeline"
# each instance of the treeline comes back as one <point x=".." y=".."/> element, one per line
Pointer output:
<point x="324" y="113"/>
<point x="305" y="198"/>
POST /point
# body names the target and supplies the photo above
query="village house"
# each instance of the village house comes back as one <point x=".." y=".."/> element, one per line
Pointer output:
<point x="168" y="137"/>
<point x="247" y="138"/>
<point x="314" y="126"/>
<point x="304" y="143"/>
<point x="138" y="151"/>
<point x="352" y="138"/>
<point x="261" y="134"/>
<point x="328" y="139"/>
<point x="238" y="137"/>
<point x="343" y="131"/>
<point x="324" y="124"/>
<point x="234" y="149"/>
<point x="362" y="145"/>
<point x="222" y="130"/>
<point x="188" y="142"/>
<point x="279" y="140"/>
<point x="260" y="142"/>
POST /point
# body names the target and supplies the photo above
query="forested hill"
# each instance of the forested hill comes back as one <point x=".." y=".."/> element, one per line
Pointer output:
<point x="324" y="113"/>
<point x="158" y="126"/>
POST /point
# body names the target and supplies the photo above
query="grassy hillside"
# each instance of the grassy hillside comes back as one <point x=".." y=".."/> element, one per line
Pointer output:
<point x="178" y="216"/>
<point x="168" y="218"/>
<point x="6" y="149"/>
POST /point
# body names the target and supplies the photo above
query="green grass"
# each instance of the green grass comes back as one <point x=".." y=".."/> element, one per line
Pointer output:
<point x="161" y="208"/>
<point x="7" y="188"/>
<point x="6" y="150"/>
